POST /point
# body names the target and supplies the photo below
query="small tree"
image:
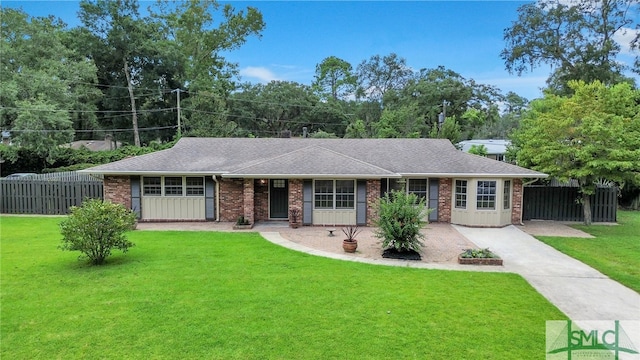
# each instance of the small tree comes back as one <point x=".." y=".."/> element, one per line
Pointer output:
<point x="95" y="228"/>
<point x="401" y="217"/>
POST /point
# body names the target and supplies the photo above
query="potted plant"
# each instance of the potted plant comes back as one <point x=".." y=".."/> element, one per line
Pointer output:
<point x="294" y="217"/>
<point x="479" y="257"/>
<point x="350" y="244"/>
<point x="242" y="223"/>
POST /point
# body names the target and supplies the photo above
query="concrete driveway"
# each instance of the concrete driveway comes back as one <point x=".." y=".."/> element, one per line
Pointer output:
<point x="578" y="290"/>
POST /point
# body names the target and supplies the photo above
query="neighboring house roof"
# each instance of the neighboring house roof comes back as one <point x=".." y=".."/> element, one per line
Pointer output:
<point x="306" y="158"/>
<point x="494" y="147"/>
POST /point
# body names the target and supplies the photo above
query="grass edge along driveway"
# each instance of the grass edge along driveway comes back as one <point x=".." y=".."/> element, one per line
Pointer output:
<point x="236" y="296"/>
<point x="615" y="250"/>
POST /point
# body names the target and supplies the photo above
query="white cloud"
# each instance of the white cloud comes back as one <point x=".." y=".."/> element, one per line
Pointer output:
<point x="623" y="37"/>
<point x="262" y="74"/>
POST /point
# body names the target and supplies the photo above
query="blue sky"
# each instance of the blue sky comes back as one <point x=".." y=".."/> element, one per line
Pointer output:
<point x="464" y="36"/>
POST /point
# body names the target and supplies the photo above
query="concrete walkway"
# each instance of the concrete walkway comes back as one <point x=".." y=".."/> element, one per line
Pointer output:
<point x="578" y="290"/>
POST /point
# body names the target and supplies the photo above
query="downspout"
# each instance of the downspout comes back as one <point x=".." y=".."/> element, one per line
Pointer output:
<point x="215" y="180"/>
<point x="522" y="199"/>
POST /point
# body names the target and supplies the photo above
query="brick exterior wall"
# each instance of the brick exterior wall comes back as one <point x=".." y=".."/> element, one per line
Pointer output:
<point x="295" y="200"/>
<point x="373" y="194"/>
<point x="261" y="202"/>
<point x="248" y="201"/>
<point x="516" y="202"/>
<point x="445" y="190"/>
<point x="231" y="199"/>
<point x="117" y="189"/>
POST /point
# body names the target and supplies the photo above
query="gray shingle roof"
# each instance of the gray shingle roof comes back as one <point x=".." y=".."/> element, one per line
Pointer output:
<point x="297" y="157"/>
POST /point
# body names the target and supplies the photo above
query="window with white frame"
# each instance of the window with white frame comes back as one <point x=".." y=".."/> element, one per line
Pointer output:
<point x="506" y="194"/>
<point x="173" y="186"/>
<point x="418" y="187"/>
<point x="152" y="186"/>
<point x="461" y="194"/>
<point x="195" y="186"/>
<point x="486" y="195"/>
<point x="334" y="194"/>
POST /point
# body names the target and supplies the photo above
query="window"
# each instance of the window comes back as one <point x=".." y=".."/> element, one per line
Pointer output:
<point x="506" y="194"/>
<point x="173" y="186"/>
<point x="152" y="186"/>
<point x="324" y="194"/>
<point x="418" y="187"/>
<point x="461" y="194"/>
<point x="345" y="194"/>
<point x="195" y="186"/>
<point x="279" y="183"/>
<point x="486" y="196"/>
<point x="334" y="194"/>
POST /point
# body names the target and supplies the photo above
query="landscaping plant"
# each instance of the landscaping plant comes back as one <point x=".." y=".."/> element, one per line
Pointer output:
<point x="401" y="217"/>
<point x="478" y="254"/>
<point x="95" y="228"/>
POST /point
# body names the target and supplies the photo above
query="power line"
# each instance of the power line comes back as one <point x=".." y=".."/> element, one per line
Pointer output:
<point x="89" y="131"/>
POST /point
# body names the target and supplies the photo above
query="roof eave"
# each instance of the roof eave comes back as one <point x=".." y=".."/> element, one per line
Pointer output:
<point x="310" y="176"/>
<point x="149" y="173"/>
<point x="476" y="175"/>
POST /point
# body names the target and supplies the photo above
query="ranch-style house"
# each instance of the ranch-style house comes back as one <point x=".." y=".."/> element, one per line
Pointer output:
<point x="328" y="181"/>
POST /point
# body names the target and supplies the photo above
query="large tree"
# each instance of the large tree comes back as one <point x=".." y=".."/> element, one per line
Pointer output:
<point x="380" y="74"/>
<point x="432" y="92"/>
<point x="271" y="109"/>
<point x="124" y="45"/>
<point x="590" y="136"/>
<point x="334" y="79"/>
<point x="576" y="38"/>
<point x="46" y="89"/>
<point x="200" y="34"/>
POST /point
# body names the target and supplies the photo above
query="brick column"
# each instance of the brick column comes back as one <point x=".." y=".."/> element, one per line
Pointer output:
<point x="516" y="202"/>
<point x="373" y="195"/>
<point x="117" y="189"/>
<point x="295" y="201"/>
<point x="248" y="201"/>
<point x="444" y="200"/>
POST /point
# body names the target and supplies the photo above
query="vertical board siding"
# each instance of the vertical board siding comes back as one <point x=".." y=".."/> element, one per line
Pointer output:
<point x="561" y="204"/>
<point x="46" y="197"/>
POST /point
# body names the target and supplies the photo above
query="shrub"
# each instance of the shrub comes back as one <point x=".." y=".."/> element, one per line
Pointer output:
<point x="401" y="217"/>
<point x="96" y="227"/>
<point x="478" y="254"/>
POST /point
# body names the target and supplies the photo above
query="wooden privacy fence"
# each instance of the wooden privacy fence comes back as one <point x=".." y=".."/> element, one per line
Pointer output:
<point x="48" y="195"/>
<point x="560" y="203"/>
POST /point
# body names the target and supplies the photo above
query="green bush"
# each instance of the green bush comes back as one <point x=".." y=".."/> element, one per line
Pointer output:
<point x="478" y="254"/>
<point x="401" y="217"/>
<point x="95" y="228"/>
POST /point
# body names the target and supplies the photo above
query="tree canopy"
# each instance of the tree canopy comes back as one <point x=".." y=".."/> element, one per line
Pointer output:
<point x="591" y="136"/>
<point x="576" y="38"/>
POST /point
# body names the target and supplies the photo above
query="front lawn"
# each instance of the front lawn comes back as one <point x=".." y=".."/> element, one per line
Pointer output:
<point x="195" y="295"/>
<point x="615" y="251"/>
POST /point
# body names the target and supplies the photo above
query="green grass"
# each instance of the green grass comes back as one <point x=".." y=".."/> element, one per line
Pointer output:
<point x="236" y="296"/>
<point x="615" y="250"/>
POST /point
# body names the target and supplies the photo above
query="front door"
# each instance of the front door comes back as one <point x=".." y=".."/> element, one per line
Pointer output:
<point x="278" y="198"/>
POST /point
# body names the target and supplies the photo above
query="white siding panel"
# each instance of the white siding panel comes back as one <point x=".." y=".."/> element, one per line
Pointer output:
<point x="173" y="208"/>
<point x="334" y="217"/>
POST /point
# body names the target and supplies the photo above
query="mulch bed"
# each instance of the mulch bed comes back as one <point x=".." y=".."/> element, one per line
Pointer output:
<point x="392" y="253"/>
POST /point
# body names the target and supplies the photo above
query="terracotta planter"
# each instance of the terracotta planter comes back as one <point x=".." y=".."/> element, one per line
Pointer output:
<point x="349" y="246"/>
<point x="479" y="261"/>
